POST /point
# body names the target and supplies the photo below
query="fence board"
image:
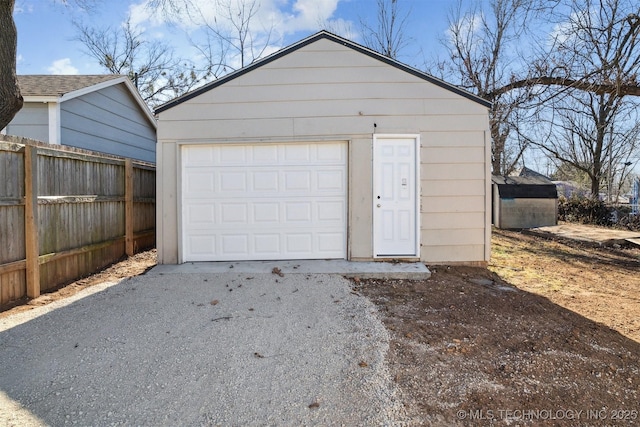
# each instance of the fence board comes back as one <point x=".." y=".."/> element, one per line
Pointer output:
<point x="11" y="173"/>
<point x="79" y="214"/>
<point x="12" y="247"/>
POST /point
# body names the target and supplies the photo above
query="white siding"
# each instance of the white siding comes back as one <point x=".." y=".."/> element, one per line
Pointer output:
<point x="108" y="120"/>
<point x="31" y="122"/>
<point x="327" y="91"/>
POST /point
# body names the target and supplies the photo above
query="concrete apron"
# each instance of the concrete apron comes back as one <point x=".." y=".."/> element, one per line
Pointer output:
<point x="599" y="236"/>
<point x="361" y="269"/>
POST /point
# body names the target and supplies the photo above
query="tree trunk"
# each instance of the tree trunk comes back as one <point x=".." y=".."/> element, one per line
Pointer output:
<point x="595" y="187"/>
<point x="10" y="98"/>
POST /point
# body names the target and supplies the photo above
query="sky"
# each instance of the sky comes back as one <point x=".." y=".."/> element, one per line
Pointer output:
<point x="47" y="45"/>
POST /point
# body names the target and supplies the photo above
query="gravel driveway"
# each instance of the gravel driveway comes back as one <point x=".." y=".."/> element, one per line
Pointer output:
<point x="201" y="349"/>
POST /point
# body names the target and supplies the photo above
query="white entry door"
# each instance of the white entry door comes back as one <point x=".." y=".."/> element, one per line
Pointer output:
<point x="264" y="201"/>
<point x="395" y="194"/>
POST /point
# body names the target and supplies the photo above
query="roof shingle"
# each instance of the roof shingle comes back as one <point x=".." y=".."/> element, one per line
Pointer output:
<point x="58" y="85"/>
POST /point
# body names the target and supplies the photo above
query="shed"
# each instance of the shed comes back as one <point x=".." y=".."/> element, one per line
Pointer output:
<point x="524" y="202"/>
<point x="324" y="149"/>
<point x="102" y="113"/>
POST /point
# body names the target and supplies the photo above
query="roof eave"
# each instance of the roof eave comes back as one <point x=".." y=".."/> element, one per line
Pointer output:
<point x="41" y="98"/>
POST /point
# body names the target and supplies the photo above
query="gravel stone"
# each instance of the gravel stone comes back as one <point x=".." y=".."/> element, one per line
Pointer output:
<point x="153" y="350"/>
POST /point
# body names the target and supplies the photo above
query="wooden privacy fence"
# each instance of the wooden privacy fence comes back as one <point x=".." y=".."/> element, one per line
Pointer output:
<point x="65" y="213"/>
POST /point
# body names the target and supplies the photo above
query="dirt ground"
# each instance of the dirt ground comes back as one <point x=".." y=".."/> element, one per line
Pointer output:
<point x="548" y="335"/>
<point x="133" y="266"/>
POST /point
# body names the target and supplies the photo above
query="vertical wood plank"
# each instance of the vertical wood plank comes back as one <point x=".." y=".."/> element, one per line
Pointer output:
<point x="128" y="202"/>
<point x="31" y="220"/>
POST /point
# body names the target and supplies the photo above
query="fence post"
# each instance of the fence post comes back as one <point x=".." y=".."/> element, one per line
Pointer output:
<point x="128" y="207"/>
<point x="31" y="220"/>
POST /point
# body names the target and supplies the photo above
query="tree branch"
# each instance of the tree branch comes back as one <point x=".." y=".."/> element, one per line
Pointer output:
<point x="632" y="89"/>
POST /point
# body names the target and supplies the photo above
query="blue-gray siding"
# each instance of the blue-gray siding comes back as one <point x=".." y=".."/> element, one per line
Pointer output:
<point x="31" y="122"/>
<point x="108" y="120"/>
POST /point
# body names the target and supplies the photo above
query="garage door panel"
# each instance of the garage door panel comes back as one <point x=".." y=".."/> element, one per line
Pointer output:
<point x="199" y="183"/>
<point x="200" y="214"/>
<point x="266" y="213"/>
<point x="296" y="180"/>
<point x="202" y="183"/>
<point x="276" y="201"/>
<point x="234" y="212"/>
<point x="331" y="180"/>
<point x="232" y="182"/>
<point x="202" y="244"/>
<point x="331" y="211"/>
<point x="265" y="155"/>
<point x="299" y="243"/>
<point x="267" y="244"/>
<point x="234" y="244"/>
<point x="234" y="154"/>
<point x="330" y="242"/>
<point x="198" y="156"/>
<point x="297" y="153"/>
<point x="266" y="181"/>
<point x="298" y="211"/>
<point x="330" y="153"/>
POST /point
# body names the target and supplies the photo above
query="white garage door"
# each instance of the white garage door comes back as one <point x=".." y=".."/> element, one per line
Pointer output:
<point x="264" y="201"/>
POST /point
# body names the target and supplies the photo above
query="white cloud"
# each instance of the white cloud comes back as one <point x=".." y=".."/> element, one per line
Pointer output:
<point x="62" y="66"/>
<point x="286" y="17"/>
<point x="141" y="15"/>
<point x="567" y="32"/>
<point x="271" y="23"/>
<point x="22" y="7"/>
<point x="469" y="24"/>
<point x="309" y="14"/>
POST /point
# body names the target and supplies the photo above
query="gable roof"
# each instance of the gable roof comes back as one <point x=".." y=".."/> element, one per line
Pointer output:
<point x="530" y="173"/>
<point x="60" y="88"/>
<point x="311" y="39"/>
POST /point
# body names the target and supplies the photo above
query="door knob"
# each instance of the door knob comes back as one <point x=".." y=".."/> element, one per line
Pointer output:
<point x="379" y="205"/>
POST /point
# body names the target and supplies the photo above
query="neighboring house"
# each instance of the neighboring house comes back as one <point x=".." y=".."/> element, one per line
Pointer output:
<point x="568" y="189"/>
<point x="96" y="112"/>
<point x="530" y="173"/>
<point x="324" y="149"/>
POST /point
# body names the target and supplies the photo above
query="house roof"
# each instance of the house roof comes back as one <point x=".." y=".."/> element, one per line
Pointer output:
<point x="55" y="85"/>
<point x="60" y="88"/>
<point x="526" y="172"/>
<point x="311" y="39"/>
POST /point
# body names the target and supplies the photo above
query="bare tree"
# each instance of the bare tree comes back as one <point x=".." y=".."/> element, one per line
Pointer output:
<point x="482" y="47"/>
<point x="10" y="97"/>
<point x="388" y="36"/>
<point x="595" y="50"/>
<point x="592" y="122"/>
<point x="158" y="75"/>
<point x="231" y="40"/>
<point x="596" y="134"/>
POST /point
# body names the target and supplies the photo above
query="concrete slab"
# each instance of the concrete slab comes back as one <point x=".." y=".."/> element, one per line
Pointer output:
<point x="634" y="241"/>
<point x="364" y="270"/>
<point x="600" y="236"/>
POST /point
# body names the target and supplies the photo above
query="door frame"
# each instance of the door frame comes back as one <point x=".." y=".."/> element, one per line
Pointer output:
<point x="416" y="138"/>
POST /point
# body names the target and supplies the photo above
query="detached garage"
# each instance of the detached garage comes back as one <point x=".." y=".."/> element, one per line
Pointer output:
<point x="324" y="150"/>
